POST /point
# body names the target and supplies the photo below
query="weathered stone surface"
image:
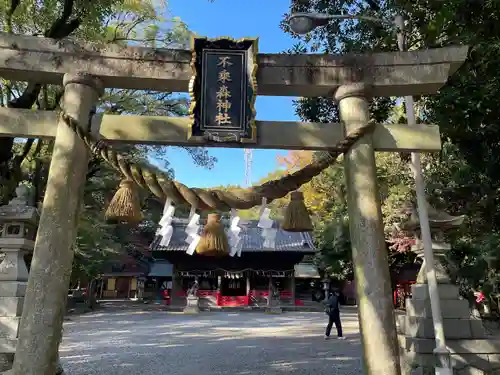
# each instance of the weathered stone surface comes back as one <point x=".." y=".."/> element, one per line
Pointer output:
<point x="453" y="328"/>
<point x="19" y="221"/>
<point x="174" y="131"/>
<point x="7" y="345"/>
<point x="42" y="318"/>
<point x="274" y="310"/>
<point x="455" y="309"/>
<point x="6" y="360"/>
<point x="9" y="326"/>
<point x="446" y="291"/>
<point x="44" y="60"/>
<point x="192" y="305"/>
<point x="12" y="289"/>
<point x="16" y="244"/>
<point x="369" y="254"/>
<point x="467" y="356"/>
<point x="191" y="310"/>
<point x="11" y="306"/>
<point x="13" y="267"/>
<point x="426" y="346"/>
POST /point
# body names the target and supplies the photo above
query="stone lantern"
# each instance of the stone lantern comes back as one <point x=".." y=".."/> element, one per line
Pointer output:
<point x="461" y="330"/>
<point x="440" y="222"/>
<point x="18" y="223"/>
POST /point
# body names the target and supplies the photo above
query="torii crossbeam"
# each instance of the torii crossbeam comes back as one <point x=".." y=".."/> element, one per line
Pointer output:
<point x="88" y="68"/>
<point x="158" y="130"/>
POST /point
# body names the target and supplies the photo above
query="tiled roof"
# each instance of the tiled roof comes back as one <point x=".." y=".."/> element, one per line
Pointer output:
<point x="251" y="236"/>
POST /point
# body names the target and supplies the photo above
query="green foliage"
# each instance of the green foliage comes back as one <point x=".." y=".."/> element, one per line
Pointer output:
<point x="464" y="178"/>
<point x="124" y="22"/>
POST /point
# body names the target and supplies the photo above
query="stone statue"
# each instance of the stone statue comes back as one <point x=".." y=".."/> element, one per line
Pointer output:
<point x="192" y="299"/>
<point x="193" y="291"/>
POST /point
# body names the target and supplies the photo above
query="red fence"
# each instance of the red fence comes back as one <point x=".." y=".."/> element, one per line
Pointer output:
<point x="232" y="301"/>
<point x="236" y="300"/>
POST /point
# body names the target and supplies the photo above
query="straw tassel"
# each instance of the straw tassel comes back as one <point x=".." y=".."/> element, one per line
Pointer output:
<point x="125" y="206"/>
<point x="297" y="217"/>
<point x="213" y="240"/>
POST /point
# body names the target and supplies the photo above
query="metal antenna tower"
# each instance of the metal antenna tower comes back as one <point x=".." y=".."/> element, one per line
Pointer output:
<point x="248" y="166"/>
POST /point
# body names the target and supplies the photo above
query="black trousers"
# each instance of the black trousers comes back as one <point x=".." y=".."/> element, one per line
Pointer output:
<point x="334" y="318"/>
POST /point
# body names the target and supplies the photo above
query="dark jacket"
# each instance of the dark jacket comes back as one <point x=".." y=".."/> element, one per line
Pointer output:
<point x="332" y="304"/>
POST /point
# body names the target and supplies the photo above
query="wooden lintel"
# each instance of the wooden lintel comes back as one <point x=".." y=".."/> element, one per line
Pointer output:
<point x="173" y="131"/>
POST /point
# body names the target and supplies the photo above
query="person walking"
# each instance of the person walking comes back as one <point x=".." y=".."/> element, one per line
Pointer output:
<point x="333" y="311"/>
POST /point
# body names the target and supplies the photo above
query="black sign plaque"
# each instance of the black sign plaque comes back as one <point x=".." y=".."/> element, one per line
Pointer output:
<point x="223" y="88"/>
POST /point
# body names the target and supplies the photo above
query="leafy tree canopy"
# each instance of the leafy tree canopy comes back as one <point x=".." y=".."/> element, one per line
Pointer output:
<point x="127" y="22"/>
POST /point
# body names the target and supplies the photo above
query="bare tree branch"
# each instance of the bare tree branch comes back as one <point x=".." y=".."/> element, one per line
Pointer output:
<point x="18" y="159"/>
<point x="60" y="27"/>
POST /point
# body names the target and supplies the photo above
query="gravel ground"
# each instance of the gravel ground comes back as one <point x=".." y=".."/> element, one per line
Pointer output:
<point x="246" y="343"/>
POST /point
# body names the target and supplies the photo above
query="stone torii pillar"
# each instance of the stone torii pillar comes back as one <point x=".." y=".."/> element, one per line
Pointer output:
<point x="371" y="268"/>
<point x="45" y="301"/>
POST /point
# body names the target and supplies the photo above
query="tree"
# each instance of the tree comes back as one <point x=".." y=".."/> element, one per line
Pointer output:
<point x="122" y="22"/>
<point x="464" y="178"/>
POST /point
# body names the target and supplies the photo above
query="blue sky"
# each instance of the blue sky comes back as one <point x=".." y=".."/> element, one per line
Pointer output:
<point x="235" y="18"/>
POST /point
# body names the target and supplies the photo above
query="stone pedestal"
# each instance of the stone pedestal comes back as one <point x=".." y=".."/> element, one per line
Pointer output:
<point x="471" y="352"/>
<point x="274" y="310"/>
<point x="192" y="305"/>
<point x="18" y="221"/>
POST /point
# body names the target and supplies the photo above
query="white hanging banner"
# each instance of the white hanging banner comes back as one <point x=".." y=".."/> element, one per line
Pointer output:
<point x="269" y="235"/>
<point x="234" y="243"/>
<point x="234" y="228"/>
<point x="192" y="231"/>
<point x="239" y="247"/>
<point x="262" y="205"/>
<point x="193" y="225"/>
<point x="165" y="230"/>
<point x="234" y="233"/>
<point x="166" y="221"/>
<point x="168" y="212"/>
<point x="192" y="212"/>
<point x="168" y="203"/>
<point x="190" y="237"/>
<point x="167" y="216"/>
<point x="195" y="239"/>
<point x="265" y="221"/>
<point x="166" y="235"/>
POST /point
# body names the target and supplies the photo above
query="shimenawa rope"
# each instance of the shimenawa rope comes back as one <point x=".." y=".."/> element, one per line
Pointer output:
<point x="203" y="199"/>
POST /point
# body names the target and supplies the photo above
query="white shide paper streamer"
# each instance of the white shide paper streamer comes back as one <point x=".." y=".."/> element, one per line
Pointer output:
<point x="192" y="231"/>
<point x="166" y="230"/>
<point x="266" y="224"/>
<point x="269" y="235"/>
<point x="234" y="234"/>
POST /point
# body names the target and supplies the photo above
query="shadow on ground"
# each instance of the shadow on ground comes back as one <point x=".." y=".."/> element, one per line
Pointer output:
<point x="210" y="343"/>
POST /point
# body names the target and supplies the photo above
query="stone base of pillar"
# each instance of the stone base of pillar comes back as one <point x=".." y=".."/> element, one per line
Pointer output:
<point x="11" y="308"/>
<point x="192" y="305"/>
<point x="274" y="310"/>
<point x="12" y="291"/>
<point x="6" y="361"/>
<point x="471" y="352"/>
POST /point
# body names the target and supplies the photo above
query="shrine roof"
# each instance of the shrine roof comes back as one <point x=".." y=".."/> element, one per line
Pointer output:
<point x="251" y="235"/>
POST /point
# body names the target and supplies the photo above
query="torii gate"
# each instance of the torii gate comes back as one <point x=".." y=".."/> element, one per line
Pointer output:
<point x="85" y="69"/>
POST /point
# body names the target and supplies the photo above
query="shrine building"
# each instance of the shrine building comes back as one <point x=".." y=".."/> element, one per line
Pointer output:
<point x="245" y="280"/>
